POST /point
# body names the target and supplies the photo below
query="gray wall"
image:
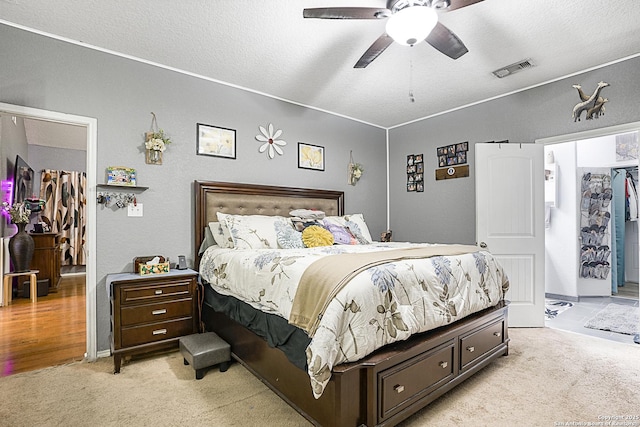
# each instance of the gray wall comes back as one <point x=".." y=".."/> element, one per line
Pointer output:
<point x="445" y="212"/>
<point x="41" y="157"/>
<point x="13" y="142"/>
<point x="120" y="93"/>
<point x="54" y="75"/>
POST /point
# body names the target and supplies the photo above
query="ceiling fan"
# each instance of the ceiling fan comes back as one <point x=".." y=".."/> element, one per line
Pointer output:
<point x="410" y="22"/>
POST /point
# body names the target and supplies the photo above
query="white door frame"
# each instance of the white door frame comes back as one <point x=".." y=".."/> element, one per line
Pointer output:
<point x="588" y="134"/>
<point x="92" y="147"/>
<point x="593" y="133"/>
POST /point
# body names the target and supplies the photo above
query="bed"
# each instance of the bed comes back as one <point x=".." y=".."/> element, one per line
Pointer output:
<point x="387" y="383"/>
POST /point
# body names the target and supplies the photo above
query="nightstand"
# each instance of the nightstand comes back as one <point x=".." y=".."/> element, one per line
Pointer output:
<point x="151" y="312"/>
<point x="46" y="258"/>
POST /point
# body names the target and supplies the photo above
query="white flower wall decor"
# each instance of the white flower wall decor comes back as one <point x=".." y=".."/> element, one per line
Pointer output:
<point x="155" y="143"/>
<point x="271" y="142"/>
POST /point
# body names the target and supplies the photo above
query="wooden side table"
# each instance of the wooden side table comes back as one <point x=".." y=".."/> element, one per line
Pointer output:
<point x="151" y="312"/>
<point x="7" y="285"/>
<point x="46" y="258"/>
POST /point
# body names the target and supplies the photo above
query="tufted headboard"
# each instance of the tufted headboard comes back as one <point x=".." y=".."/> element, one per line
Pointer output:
<point x="250" y="199"/>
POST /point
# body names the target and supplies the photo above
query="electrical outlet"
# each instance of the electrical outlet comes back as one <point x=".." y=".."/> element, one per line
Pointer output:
<point x="135" y="210"/>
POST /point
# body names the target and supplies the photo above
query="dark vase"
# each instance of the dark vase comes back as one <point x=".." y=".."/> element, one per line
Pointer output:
<point x="21" y="249"/>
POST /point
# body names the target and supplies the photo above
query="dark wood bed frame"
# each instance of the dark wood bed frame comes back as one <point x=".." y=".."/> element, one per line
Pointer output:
<point x="382" y="389"/>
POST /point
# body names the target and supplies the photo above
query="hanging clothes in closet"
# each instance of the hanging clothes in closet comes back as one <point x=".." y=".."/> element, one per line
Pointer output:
<point x="619" y="185"/>
<point x="631" y="196"/>
<point x="625" y="209"/>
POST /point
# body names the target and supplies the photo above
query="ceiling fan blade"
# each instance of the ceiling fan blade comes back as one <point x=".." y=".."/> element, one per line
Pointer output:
<point x="378" y="46"/>
<point x="446" y="42"/>
<point x="346" y="13"/>
<point x="459" y="4"/>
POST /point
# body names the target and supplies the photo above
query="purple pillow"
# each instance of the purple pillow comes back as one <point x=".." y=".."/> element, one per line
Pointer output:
<point x="340" y="234"/>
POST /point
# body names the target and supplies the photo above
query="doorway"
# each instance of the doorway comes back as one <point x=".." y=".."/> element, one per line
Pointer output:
<point x="574" y="301"/>
<point x="91" y="162"/>
<point x="600" y="219"/>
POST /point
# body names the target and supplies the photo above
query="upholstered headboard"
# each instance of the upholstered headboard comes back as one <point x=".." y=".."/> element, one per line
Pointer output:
<point x="249" y="199"/>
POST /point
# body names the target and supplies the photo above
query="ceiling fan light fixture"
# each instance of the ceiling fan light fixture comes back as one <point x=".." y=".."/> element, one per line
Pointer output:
<point x="411" y="25"/>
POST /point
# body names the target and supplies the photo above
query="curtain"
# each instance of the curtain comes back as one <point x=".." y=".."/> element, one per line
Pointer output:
<point x="64" y="211"/>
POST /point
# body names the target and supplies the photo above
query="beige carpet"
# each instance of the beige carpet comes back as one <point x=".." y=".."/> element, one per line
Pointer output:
<point x="549" y="376"/>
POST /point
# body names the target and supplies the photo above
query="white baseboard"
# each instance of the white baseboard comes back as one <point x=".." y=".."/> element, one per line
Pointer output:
<point x="104" y="353"/>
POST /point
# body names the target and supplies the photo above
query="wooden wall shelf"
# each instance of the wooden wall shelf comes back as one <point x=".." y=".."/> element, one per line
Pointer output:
<point x="116" y="187"/>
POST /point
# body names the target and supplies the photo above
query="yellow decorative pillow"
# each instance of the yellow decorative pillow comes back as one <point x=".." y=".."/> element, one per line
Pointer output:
<point x="314" y="236"/>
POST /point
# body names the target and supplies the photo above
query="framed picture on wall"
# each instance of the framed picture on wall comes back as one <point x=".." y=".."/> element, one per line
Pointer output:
<point x="310" y="156"/>
<point x="215" y="141"/>
<point x="121" y="175"/>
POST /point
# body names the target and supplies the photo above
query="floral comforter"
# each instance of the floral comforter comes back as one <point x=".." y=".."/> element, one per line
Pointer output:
<point x="381" y="305"/>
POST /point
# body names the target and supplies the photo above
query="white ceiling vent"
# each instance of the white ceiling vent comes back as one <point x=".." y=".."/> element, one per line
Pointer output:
<point x="513" y="68"/>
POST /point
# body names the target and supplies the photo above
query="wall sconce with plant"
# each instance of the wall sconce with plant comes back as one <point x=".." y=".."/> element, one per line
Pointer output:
<point x="155" y="143"/>
<point x="355" y="170"/>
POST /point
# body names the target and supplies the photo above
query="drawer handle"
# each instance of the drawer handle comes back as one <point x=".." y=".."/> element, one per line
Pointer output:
<point x="157" y="312"/>
<point x="159" y="332"/>
<point x="399" y="388"/>
<point x="158" y="291"/>
<point x="443" y="364"/>
<point x="471" y="349"/>
<point x="496" y="334"/>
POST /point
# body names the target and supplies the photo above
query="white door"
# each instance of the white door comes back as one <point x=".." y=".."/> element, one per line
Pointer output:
<point x="510" y="221"/>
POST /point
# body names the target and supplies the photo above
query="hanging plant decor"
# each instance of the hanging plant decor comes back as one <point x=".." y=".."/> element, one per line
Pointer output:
<point x="355" y="171"/>
<point x="155" y="143"/>
<point x="271" y="144"/>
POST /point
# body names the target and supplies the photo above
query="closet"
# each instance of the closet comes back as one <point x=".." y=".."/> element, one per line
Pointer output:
<point x="624" y="239"/>
<point x="591" y="239"/>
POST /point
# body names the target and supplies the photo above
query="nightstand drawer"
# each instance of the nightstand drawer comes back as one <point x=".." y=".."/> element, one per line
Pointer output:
<point x="145" y="334"/>
<point x="156" y="312"/>
<point x="142" y="293"/>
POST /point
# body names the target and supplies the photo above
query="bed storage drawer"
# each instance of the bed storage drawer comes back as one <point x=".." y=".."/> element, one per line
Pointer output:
<point x="480" y="341"/>
<point x="402" y="385"/>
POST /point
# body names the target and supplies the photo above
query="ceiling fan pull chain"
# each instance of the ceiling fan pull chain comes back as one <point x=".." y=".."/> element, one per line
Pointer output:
<point x="411" y="97"/>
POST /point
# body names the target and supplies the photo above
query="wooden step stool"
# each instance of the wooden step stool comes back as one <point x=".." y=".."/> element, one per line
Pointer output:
<point x="203" y="351"/>
<point x="7" y="285"/>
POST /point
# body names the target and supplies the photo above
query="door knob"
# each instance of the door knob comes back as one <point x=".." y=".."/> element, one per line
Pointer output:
<point x="483" y="245"/>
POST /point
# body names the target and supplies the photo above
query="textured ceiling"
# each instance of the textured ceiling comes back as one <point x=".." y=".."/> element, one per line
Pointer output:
<point x="267" y="47"/>
<point x="51" y="134"/>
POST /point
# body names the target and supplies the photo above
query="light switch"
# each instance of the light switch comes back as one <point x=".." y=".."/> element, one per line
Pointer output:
<point x="135" y="210"/>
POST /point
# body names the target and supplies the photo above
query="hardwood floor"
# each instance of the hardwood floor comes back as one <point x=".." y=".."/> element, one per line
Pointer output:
<point x="49" y="333"/>
<point x="629" y="290"/>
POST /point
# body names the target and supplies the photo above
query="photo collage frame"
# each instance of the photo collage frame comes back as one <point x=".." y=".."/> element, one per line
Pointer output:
<point x="415" y="173"/>
<point x="454" y="154"/>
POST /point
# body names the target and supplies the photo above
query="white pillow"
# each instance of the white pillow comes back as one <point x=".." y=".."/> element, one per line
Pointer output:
<point x="355" y="223"/>
<point x="288" y="237"/>
<point x="253" y="231"/>
<point x="221" y="234"/>
<point x="207" y="241"/>
<point x="307" y="214"/>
